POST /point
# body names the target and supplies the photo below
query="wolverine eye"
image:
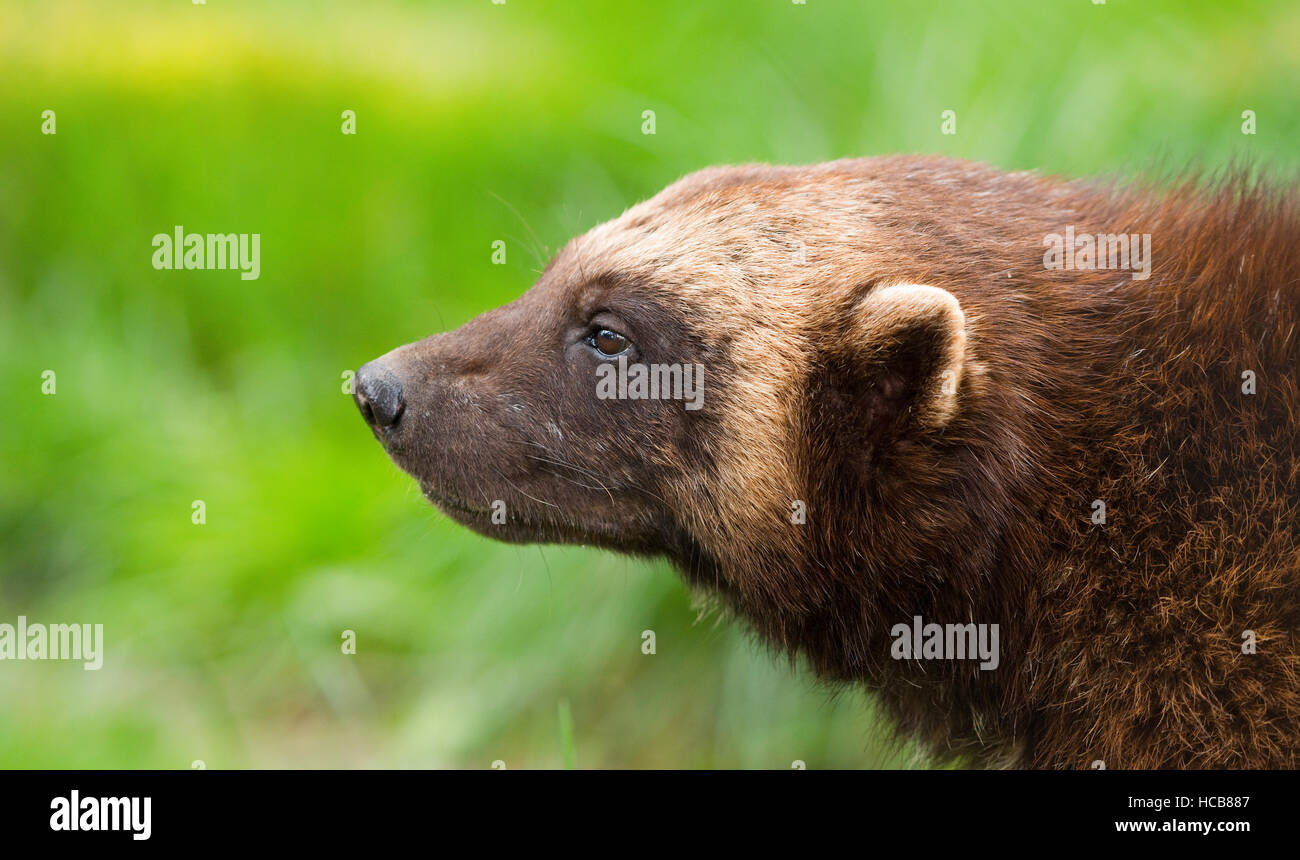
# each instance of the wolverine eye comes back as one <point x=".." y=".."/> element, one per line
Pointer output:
<point x="608" y="342"/>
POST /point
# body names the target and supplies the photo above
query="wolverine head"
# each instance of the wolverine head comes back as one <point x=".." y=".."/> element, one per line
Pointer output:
<point x="751" y="350"/>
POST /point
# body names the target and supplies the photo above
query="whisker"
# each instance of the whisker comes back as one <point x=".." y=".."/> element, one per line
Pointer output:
<point x="541" y="260"/>
<point x="595" y="477"/>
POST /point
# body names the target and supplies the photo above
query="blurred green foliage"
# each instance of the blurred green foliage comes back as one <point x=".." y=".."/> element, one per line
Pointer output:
<point x="476" y="122"/>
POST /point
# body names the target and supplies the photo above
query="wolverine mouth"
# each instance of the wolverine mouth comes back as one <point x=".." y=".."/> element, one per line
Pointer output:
<point x="450" y="503"/>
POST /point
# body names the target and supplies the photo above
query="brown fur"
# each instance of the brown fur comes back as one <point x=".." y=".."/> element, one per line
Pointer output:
<point x="825" y="303"/>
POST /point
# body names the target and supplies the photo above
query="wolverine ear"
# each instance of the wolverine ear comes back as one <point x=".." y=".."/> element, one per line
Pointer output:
<point x="910" y="355"/>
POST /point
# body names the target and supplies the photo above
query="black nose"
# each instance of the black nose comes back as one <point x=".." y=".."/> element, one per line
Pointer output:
<point x="378" y="393"/>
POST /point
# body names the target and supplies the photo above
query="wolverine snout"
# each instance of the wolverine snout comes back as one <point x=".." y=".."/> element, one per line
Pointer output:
<point x="378" y="394"/>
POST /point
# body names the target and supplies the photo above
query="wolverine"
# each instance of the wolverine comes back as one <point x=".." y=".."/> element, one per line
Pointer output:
<point x="909" y="412"/>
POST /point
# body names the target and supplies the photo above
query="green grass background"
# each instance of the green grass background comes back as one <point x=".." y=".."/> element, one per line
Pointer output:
<point x="476" y="122"/>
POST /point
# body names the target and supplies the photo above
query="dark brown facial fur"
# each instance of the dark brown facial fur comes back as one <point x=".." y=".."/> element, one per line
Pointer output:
<point x="883" y="346"/>
<point x="503" y="411"/>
